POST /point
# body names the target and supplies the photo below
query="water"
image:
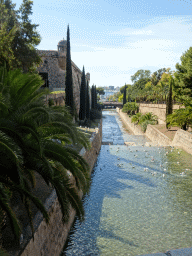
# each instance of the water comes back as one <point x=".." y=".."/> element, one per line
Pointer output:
<point x="131" y="210"/>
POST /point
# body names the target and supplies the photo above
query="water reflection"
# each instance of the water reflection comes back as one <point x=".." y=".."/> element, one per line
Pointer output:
<point x="138" y="201"/>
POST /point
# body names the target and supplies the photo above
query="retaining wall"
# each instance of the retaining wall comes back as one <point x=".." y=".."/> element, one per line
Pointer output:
<point x="182" y="139"/>
<point x="127" y="122"/>
<point x="157" y="109"/>
<point x="50" y="239"/>
<point x="156" y="136"/>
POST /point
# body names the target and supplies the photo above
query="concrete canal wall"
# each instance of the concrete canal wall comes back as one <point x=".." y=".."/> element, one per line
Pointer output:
<point x="50" y="239"/>
<point x="182" y="139"/>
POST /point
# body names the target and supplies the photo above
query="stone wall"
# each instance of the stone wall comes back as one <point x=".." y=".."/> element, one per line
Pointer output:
<point x="54" y="63"/>
<point x="156" y="136"/>
<point x="183" y="140"/>
<point x="157" y="109"/>
<point x="50" y="239"/>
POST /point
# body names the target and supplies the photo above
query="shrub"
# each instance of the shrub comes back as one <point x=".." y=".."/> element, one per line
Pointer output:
<point x="50" y="102"/>
<point x="145" y="123"/>
<point x="148" y="116"/>
<point x="180" y="117"/>
<point x="130" y="108"/>
<point x="136" y="118"/>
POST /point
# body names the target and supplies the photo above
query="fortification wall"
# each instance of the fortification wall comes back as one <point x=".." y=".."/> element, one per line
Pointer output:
<point x="54" y="63"/>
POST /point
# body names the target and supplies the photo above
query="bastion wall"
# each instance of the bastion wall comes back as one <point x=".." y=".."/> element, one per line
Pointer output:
<point x="54" y="64"/>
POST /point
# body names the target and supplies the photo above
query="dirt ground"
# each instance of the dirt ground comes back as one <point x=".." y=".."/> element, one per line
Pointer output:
<point x="170" y="133"/>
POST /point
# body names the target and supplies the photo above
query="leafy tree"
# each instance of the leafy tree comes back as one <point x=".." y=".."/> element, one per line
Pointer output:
<point x="28" y="130"/>
<point x="120" y="98"/>
<point x="26" y="38"/>
<point x="183" y="75"/>
<point x="100" y="90"/>
<point x="141" y="74"/>
<point x="156" y="76"/>
<point x="6" y="39"/>
<point x="83" y="93"/>
<point x="68" y="79"/>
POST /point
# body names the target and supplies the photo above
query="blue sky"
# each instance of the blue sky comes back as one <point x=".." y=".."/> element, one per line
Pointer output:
<point x="115" y="38"/>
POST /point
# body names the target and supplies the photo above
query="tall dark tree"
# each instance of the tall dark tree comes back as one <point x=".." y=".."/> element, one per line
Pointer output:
<point x="68" y="79"/>
<point x="87" y="102"/>
<point x="169" y="102"/>
<point x="93" y="97"/>
<point x="124" y="95"/>
<point x="82" y="110"/>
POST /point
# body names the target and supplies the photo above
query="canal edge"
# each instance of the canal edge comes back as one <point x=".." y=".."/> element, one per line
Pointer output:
<point x="182" y="139"/>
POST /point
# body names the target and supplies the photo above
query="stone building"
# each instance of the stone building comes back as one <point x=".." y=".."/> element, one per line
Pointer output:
<point x="53" y="70"/>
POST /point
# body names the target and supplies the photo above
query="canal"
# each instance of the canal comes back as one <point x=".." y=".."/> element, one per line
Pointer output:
<point x="140" y="198"/>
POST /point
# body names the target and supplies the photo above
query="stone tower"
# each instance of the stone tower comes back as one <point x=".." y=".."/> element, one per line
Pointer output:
<point x="62" y="53"/>
<point x="62" y="47"/>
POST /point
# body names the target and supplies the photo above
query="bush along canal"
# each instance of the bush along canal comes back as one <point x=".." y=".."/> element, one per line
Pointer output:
<point x="140" y="198"/>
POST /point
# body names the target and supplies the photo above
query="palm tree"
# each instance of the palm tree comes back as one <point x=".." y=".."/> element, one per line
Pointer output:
<point x="29" y="132"/>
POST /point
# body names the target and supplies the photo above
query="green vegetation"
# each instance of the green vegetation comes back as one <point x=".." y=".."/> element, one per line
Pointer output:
<point x="82" y="110"/>
<point x="130" y="108"/>
<point x="29" y="132"/>
<point x="163" y="86"/>
<point x="100" y="91"/>
<point x="144" y="120"/>
<point x="57" y="92"/>
<point x="18" y="36"/>
<point x="69" y="102"/>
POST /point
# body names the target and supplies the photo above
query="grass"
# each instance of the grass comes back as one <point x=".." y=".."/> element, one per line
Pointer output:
<point x="57" y="92"/>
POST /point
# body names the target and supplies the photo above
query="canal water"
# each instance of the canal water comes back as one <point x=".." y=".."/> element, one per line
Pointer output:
<point x="140" y="199"/>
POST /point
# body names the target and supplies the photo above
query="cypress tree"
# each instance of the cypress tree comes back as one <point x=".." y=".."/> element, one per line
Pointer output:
<point x="68" y="79"/>
<point x="124" y="95"/>
<point x="87" y="103"/>
<point x="169" y="102"/>
<point x="95" y="97"/>
<point x="92" y="97"/>
<point x="82" y="110"/>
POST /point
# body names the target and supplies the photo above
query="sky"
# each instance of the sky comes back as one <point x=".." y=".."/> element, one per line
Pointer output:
<point x="113" y="39"/>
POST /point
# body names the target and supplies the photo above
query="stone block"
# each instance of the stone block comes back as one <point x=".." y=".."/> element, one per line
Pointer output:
<point x="180" y="252"/>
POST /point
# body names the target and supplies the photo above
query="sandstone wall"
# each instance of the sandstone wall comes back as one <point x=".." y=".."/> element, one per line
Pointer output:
<point x="50" y="239"/>
<point x="156" y="136"/>
<point x="157" y="109"/>
<point x="54" y="63"/>
<point x="183" y="140"/>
